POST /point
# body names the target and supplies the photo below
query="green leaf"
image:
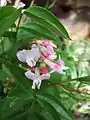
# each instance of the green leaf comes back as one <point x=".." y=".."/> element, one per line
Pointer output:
<point x="40" y="117"/>
<point x="56" y="104"/>
<point x="41" y="29"/>
<point x="24" y="34"/>
<point x="37" y="34"/>
<point x="33" y="117"/>
<point x="47" y="18"/>
<point x="3" y="75"/>
<point x="7" y="44"/>
<point x="8" y="15"/>
<point x="18" y="75"/>
<point x="55" y="77"/>
<point x="9" y="34"/>
<point x="48" y="112"/>
<point x="4" y="13"/>
<point x="13" y="105"/>
<point x="21" y="116"/>
<point x="8" y="110"/>
<point x="85" y="80"/>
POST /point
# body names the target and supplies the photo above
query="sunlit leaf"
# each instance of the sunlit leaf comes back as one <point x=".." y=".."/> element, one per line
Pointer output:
<point x="8" y="15"/>
<point x="56" y="104"/>
<point x="48" y="19"/>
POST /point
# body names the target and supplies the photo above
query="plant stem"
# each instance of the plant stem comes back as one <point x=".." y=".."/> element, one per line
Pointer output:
<point x="73" y="90"/>
<point x="18" y="23"/>
<point x="19" y="20"/>
<point x="32" y="2"/>
<point x="52" y="4"/>
<point x="2" y="44"/>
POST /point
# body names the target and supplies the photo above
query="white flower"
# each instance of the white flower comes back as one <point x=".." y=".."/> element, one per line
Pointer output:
<point x="37" y="79"/>
<point x="29" y="56"/>
<point x="19" y="5"/>
<point x="3" y="2"/>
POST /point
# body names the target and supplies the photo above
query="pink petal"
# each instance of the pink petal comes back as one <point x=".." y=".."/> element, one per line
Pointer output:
<point x="51" y="64"/>
<point x="45" y="43"/>
<point x="50" y="50"/>
<point x="60" y="62"/>
<point x="30" y="75"/>
<point x="46" y="52"/>
<point x="21" y="56"/>
<point x="31" y="62"/>
<point x="56" y="67"/>
<point x="37" y="71"/>
<point x="44" y="76"/>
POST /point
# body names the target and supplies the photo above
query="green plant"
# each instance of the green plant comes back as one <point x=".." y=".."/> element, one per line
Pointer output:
<point x="21" y="101"/>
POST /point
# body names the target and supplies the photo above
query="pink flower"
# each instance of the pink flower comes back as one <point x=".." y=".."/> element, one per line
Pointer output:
<point x="49" y="46"/>
<point x="36" y="77"/>
<point x="41" y="59"/>
<point x="47" y="49"/>
<point x="59" y="66"/>
<point x="46" y="43"/>
<point x="47" y="54"/>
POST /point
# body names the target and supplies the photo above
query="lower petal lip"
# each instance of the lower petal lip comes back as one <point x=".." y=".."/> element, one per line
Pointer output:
<point x="20" y="55"/>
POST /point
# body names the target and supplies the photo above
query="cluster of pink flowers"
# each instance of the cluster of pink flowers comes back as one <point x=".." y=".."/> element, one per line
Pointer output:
<point x="41" y="59"/>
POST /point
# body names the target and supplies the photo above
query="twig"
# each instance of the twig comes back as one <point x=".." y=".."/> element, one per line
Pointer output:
<point x="18" y="23"/>
<point x="80" y="79"/>
<point x="65" y="87"/>
<point x="52" y="4"/>
<point x="32" y="2"/>
<point x="19" y="20"/>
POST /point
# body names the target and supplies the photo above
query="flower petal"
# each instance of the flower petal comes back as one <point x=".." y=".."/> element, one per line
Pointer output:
<point x="44" y="76"/>
<point x="37" y="71"/>
<point x="31" y="75"/>
<point x="31" y="62"/>
<point x="21" y="5"/>
<point x="36" y="79"/>
<point x="52" y="57"/>
<point x="21" y="56"/>
<point x="61" y="72"/>
<point x="34" y="53"/>
<point x="29" y="56"/>
<point x="51" y="64"/>
<point x="34" y="84"/>
<point x="50" y="50"/>
<point x="3" y="2"/>
<point x="39" y="84"/>
<point x="46" y="43"/>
